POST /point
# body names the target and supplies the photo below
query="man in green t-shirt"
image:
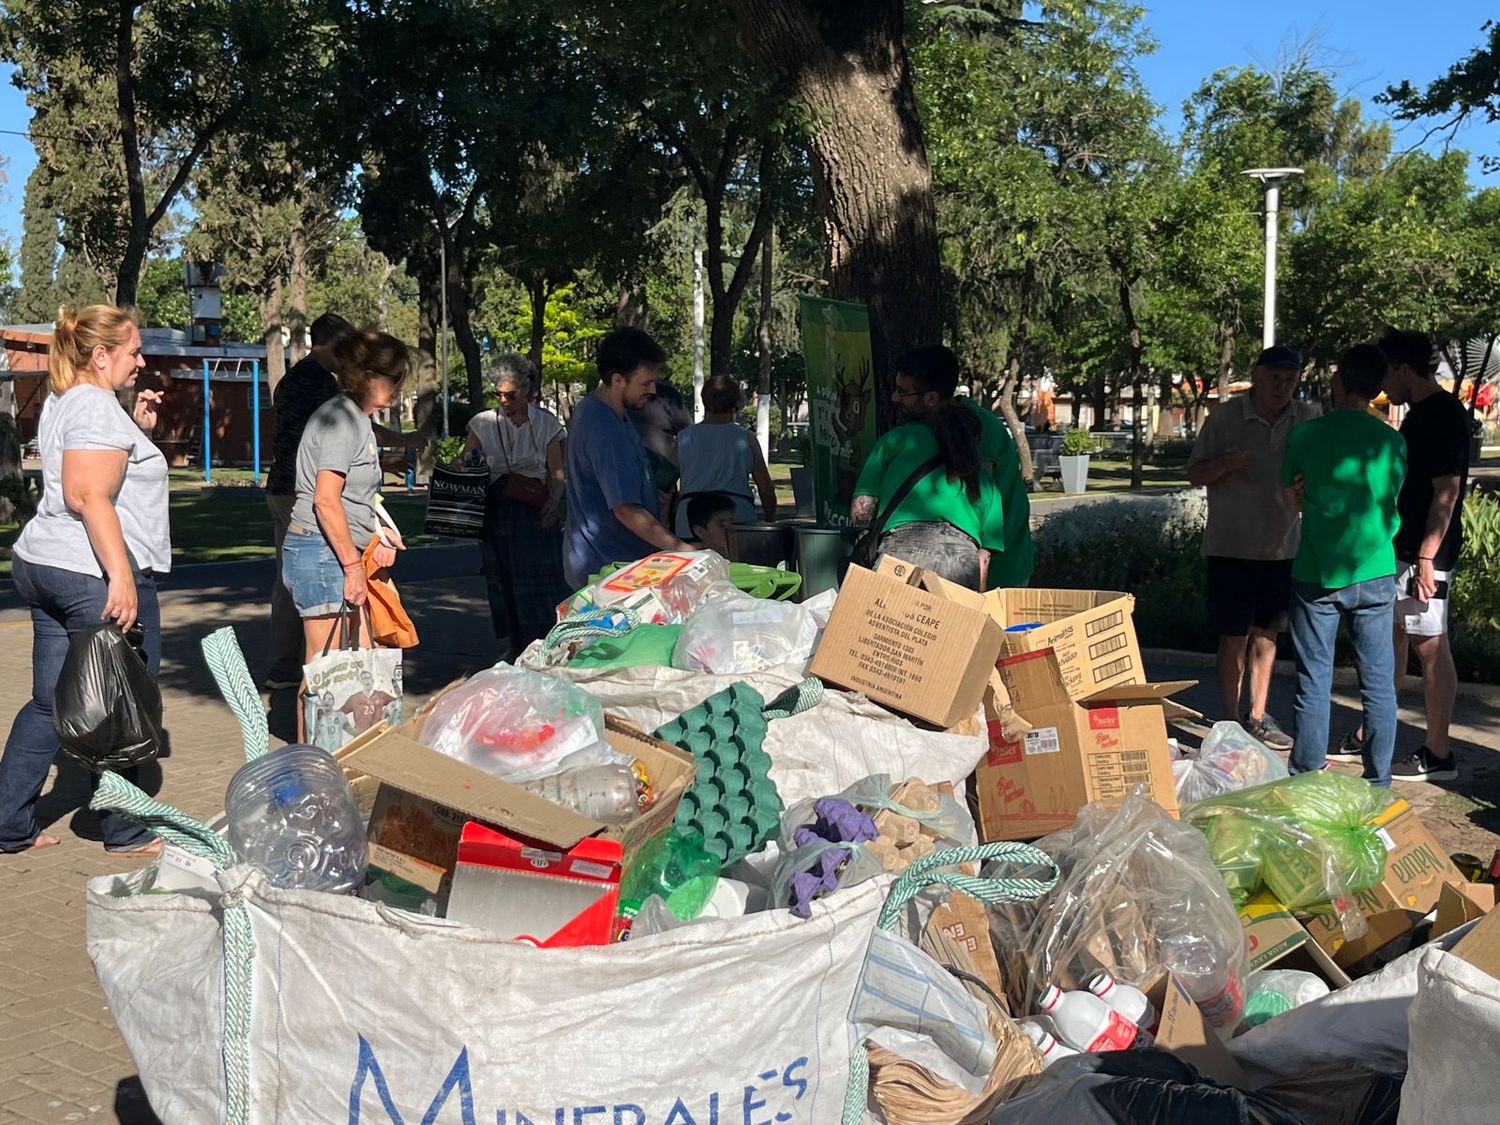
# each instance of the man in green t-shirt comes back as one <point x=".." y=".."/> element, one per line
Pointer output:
<point x="939" y="513"/>
<point x="1344" y="470"/>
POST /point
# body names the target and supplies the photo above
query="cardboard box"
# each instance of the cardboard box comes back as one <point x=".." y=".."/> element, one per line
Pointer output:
<point x="1077" y="751"/>
<point x="1455" y="907"/>
<point x="914" y="650"/>
<point x="1274" y="937"/>
<point x="1417" y="868"/>
<point x="1183" y="1031"/>
<point x="425" y="797"/>
<point x="1481" y="945"/>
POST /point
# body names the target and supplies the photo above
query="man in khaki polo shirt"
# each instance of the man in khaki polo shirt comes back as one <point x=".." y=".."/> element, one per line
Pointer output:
<point x="1252" y="534"/>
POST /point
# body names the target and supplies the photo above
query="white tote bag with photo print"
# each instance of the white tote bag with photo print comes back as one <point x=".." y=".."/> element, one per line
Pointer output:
<point x="350" y="689"/>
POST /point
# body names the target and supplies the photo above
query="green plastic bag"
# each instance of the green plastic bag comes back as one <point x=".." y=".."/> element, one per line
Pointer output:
<point x="1307" y="839"/>
<point x="645" y="646"/>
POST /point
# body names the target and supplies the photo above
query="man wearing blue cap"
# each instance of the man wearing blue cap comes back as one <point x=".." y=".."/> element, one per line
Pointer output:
<point x="1253" y="533"/>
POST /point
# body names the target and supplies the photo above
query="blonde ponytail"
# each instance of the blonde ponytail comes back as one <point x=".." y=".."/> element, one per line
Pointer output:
<point x="75" y="336"/>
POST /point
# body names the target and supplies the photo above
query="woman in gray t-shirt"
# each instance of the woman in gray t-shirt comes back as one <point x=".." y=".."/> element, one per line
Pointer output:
<point x="92" y="551"/>
<point x="338" y="478"/>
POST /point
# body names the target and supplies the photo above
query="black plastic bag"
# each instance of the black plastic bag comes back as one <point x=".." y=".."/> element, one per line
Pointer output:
<point x="106" y="707"/>
<point x="1144" y="1087"/>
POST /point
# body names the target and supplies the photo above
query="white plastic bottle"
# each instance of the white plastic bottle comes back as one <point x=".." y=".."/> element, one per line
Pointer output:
<point x="1126" y="999"/>
<point x="1052" y="1051"/>
<point x="1085" y="1022"/>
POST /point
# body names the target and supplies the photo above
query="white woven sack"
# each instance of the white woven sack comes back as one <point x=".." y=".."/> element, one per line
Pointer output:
<point x="362" y="1014"/>
<point x="1454" y="1026"/>
<point x="840" y="740"/>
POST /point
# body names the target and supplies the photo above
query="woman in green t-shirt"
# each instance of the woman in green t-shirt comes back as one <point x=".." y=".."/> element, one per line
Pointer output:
<point x="922" y="487"/>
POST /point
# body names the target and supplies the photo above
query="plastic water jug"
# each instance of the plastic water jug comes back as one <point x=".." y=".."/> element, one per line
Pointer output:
<point x="292" y="814"/>
<point x="1085" y="1022"/>
<point x="1126" y="999"/>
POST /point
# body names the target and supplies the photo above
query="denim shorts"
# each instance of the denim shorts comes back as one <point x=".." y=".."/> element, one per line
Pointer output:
<point x="311" y="571"/>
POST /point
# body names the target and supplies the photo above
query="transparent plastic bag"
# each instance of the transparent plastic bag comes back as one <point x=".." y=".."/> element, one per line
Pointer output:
<point x="950" y="823"/>
<point x="1307" y="839"/>
<point x="732" y="633"/>
<point x="1138" y="894"/>
<point x="666" y="586"/>
<point x="1230" y="760"/>
<point x="518" y="725"/>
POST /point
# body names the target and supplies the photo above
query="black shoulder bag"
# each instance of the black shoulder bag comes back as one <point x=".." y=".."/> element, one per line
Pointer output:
<point x="867" y="546"/>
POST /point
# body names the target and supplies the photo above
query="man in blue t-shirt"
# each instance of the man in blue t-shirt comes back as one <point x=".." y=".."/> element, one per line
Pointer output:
<point x="613" y="511"/>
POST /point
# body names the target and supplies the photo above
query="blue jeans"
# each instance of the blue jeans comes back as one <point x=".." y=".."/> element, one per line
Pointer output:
<point x="1316" y="613"/>
<point x="62" y="602"/>
<point x="935" y="546"/>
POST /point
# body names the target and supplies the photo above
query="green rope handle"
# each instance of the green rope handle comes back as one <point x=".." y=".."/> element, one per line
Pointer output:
<point x="795" y="700"/>
<point x="933" y="870"/>
<point x="221" y="651"/>
<point x="174" y="826"/>
<point x="596" y="622"/>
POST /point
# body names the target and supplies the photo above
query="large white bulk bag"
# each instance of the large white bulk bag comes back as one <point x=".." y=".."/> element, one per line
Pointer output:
<point x="1454" y="1034"/>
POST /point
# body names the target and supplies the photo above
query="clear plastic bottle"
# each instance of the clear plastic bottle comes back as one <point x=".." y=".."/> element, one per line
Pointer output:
<point x="1085" y="1022"/>
<point x="1210" y="976"/>
<point x="1126" y="999"/>
<point x="609" y="794"/>
<point x="1052" y="1051"/>
<point x="292" y="814"/>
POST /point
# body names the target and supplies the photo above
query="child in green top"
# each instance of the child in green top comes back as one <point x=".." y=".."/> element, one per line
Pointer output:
<point x="1344" y="471"/>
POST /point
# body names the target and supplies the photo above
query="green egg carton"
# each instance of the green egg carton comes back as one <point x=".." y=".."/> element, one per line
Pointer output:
<point x="733" y="803"/>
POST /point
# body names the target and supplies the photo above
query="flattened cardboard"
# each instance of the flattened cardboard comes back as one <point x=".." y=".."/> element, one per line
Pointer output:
<point x="904" y="646"/>
<point x="1075" y="752"/>
<point x="1455" y="906"/>
<point x="1183" y="1031"/>
<point x="1274" y="937"/>
<point x="1417" y="869"/>
<point x="426" y="797"/>
<point x="1481" y="946"/>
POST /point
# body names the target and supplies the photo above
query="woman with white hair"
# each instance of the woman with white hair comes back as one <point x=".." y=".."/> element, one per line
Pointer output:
<point x="525" y="449"/>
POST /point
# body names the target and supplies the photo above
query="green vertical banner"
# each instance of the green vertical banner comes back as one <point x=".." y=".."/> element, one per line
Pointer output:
<point x="841" y="389"/>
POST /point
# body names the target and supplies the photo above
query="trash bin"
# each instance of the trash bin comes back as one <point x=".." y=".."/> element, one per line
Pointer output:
<point x="761" y="544"/>
<point x="822" y="554"/>
<point x="802" y="492"/>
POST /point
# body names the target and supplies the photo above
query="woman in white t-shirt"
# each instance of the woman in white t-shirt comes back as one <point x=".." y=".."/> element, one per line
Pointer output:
<point x="525" y="449"/>
<point x="92" y="551"/>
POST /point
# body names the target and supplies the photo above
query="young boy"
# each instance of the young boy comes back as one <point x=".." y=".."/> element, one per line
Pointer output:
<point x="709" y="515"/>
<point x="1344" y="470"/>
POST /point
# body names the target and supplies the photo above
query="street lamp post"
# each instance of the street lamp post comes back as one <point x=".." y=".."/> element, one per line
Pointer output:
<point x="1271" y="178"/>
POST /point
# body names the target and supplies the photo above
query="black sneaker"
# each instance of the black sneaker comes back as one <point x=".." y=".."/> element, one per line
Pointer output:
<point x="1351" y="746"/>
<point x="1424" y="765"/>
<point x="1268" y="731"/>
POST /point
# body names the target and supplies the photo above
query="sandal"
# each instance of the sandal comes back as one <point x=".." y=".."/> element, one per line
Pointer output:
<point x="151" y="850"/>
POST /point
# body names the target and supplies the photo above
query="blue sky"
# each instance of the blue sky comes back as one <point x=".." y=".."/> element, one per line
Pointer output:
<point x="1370" y="43"/>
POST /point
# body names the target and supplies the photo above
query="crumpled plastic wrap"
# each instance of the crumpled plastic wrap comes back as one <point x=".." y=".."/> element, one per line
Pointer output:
<point x="1230" y="760"/>
<point x="518" y="725"/>
<point x="1138" y="894"/>
<point x="1307" y="839"/>
<point x="732" y="633"/>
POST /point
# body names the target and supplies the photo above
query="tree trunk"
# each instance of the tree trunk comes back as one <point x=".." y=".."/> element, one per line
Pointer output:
<point x="1133" y="350"/>
<point x="1164" y="421"/>
<point x="428" y="416"/>
<point x="1007" y="405"/>
<point x="270" y="319"/>
<point x="763" y="341"/>
<point x="631" y="310"/>
<point x="871" y="178"/>
<point x="1226" y="358"/>
<point x="536" y="295"/>
<point x="727" y="294"/>
<point x="296" y="293"/>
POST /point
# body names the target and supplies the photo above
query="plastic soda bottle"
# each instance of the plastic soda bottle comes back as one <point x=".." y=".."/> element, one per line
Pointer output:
<point x="1085" y="1022"/>
<point x="609" y="793"/>
<point x="1126" y="999"/>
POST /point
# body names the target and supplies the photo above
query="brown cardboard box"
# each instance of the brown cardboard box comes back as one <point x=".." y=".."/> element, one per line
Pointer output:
<point x="1077" y="751"/>
<point x="426" y="797"/>
<point x="1416" y="870"/>
<point x="1274" y="937"/>
<point x="1455" y="907"/>
<point x="1183" y="1031"/>
<point x="907" y="647"/>
<point x="1481" y="945"/>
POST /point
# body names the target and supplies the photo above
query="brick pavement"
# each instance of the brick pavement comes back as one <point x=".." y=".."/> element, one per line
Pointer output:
<point x="61" y="1059"/>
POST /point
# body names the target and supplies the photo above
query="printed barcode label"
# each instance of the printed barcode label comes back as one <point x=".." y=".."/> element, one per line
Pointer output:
<point x="1043" y="740"/>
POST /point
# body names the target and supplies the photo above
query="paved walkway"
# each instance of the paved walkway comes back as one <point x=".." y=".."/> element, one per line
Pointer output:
<point x="61" y="1059"/>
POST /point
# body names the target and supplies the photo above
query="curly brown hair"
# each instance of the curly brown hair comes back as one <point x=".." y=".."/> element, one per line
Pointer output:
<point x="368" y="354"/>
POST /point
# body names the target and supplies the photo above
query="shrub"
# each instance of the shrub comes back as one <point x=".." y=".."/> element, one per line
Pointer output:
<point x="1474" y="626"/>
<point x="1077" y="443"/>
<point x="1150" y="547"/>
